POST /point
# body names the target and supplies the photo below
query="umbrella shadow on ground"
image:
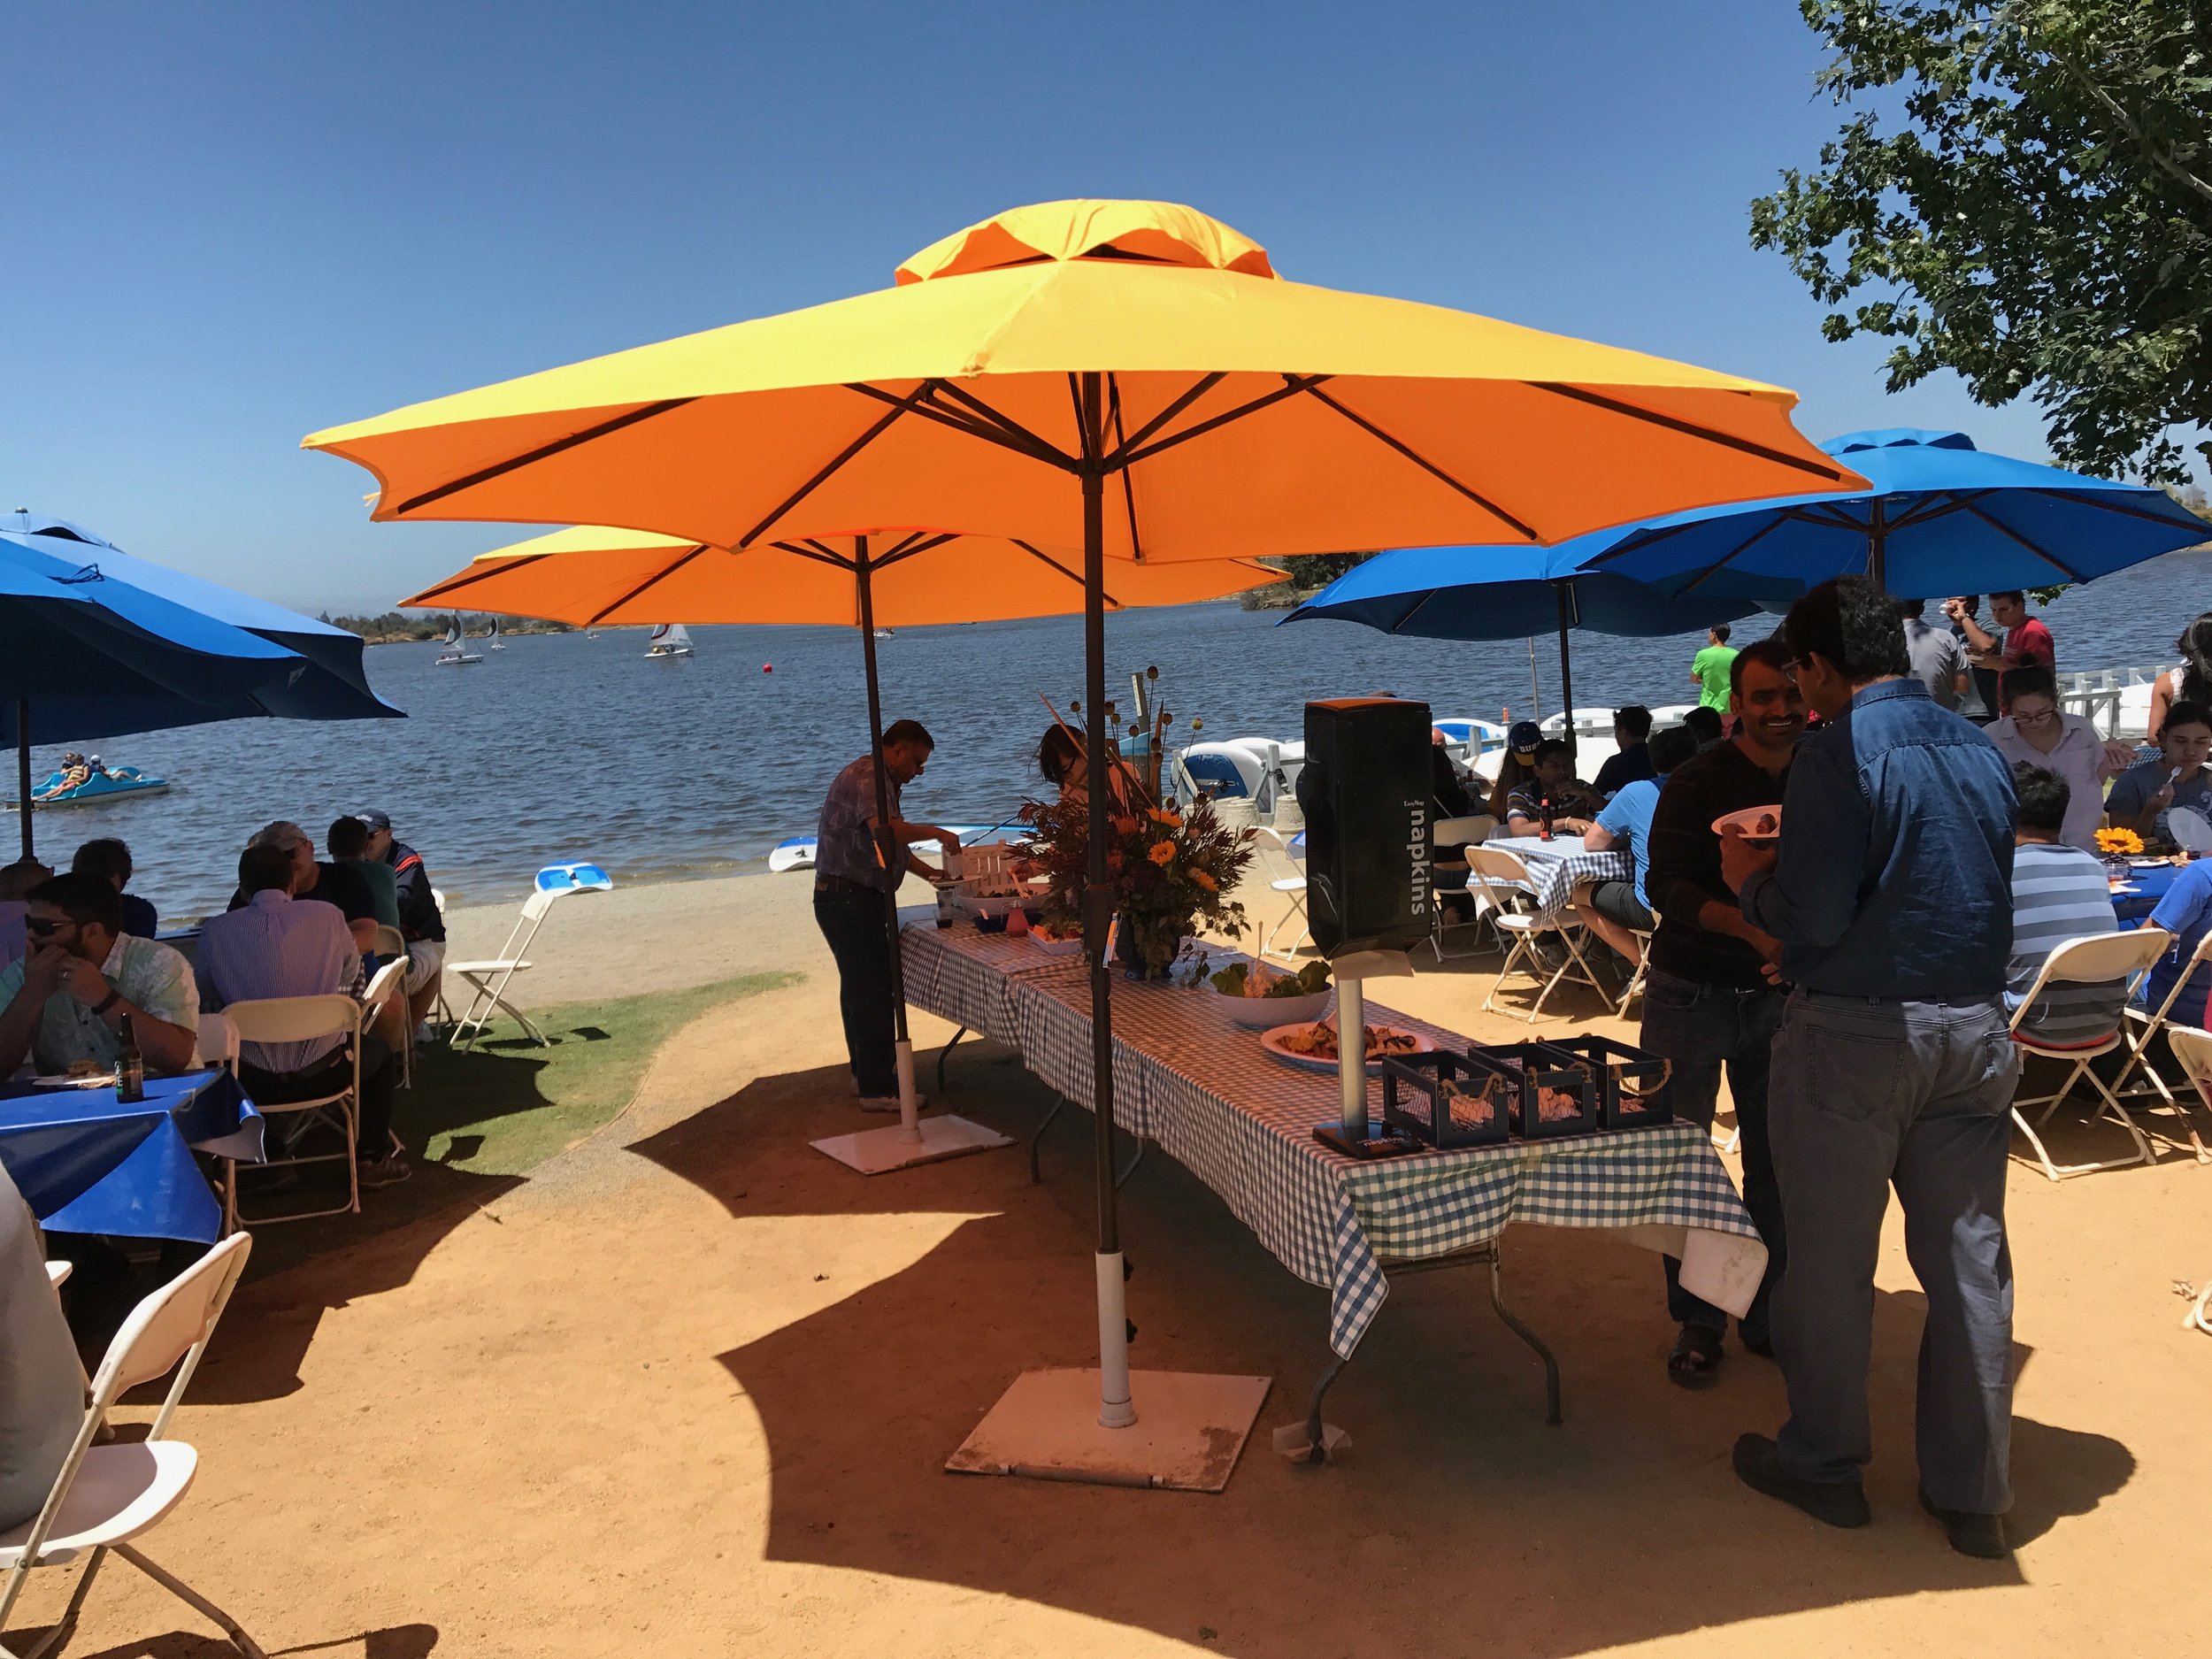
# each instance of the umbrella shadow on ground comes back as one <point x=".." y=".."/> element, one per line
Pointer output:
<point x="396" y="1641"/>
<point x="1455" y="1498"/>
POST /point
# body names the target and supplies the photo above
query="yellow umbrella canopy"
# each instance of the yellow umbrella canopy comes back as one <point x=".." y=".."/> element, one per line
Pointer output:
<point x="1238" y="414"/>
<point x="592" y="575"/>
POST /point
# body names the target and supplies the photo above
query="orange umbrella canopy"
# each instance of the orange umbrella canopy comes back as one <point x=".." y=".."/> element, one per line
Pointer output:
<point x="591" y="575"/>
<point x="1235" y="414"/>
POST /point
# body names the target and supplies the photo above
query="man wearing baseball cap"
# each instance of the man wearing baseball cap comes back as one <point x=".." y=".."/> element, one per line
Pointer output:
<point x="419" y="919"/>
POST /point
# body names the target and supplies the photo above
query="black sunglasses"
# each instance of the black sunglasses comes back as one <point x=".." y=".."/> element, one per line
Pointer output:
<point x="43" y="928"/>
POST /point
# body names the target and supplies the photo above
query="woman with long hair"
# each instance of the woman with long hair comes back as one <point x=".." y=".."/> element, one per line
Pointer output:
<point x="2195" y="675"/>
<point x="1518" y="769"/>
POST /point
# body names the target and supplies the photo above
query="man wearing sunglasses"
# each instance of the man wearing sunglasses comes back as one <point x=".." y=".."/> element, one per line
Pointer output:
<point x="66" y="1002"/>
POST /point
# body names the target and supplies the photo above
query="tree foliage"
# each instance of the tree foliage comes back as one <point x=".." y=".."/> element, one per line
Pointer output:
<point x="2022" y="193"/>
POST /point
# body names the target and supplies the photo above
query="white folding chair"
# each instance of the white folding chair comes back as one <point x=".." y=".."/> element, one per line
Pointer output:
<point x="1635" y="986"/>
<point x="487" y="980"/>
<point x="1502" y="875"/>
<point x="2096" y="959"/>
<point x="1457" y="835"/>
<point x="218" y="1042"/>
<point x="2142" y="1030"/>
<point x="300" y="1019"/>
<point x="107" y="1495"/>
<point x="1284" y="878"/>
<point x="2193" y="1052"/>
<point x="57" y="1273"/>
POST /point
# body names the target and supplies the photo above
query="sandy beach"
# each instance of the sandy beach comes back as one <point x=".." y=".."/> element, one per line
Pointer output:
<point x="689" y="1389"/>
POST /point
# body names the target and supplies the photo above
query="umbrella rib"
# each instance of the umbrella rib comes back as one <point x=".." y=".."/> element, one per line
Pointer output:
<point x="1726" y="440"/>
<point x="1425" y="464"/>
<point x="1002" y="428"/>
<point x="468" y="578"/>
<point x="919" y="542"/>
<point x="1414" y="611"/>
<point x="1733" y="553"/>
<point x="1128" y="481"/>
<point x="650" y="582"/>
<point x="968" y="425"/>
<point x="2085" y="499"/>
<point x="899" y="406"/>
<point x="812" y="549"/>
<point x="1292" y="385"/>
<point x="2051" y="560"/>
<point x="1204" y="383"/>
<point x="1054" y="564"/>
<point x="500" y="469"/>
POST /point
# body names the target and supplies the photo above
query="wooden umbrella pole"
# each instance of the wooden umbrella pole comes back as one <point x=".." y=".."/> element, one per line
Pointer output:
<point x="889" y="850"/>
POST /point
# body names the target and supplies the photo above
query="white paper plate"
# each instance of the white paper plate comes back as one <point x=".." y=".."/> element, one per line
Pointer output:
<point x="1272" y="1043"/>
<point x="1745" y="819"/>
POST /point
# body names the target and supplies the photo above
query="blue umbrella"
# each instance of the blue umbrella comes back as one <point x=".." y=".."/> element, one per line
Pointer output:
<point x="1943" y="517"/>
<point x="1509" y="592"/>
<point x="95" y="643"/>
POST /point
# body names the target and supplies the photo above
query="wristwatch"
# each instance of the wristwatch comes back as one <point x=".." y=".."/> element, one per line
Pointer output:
<point x="100" y="1008"/>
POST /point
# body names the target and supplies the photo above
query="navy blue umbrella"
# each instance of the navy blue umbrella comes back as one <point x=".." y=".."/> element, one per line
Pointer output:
<point x="1509" y="592"/>
<point x="1942" y="517"/>
<point x="96" y="643"/>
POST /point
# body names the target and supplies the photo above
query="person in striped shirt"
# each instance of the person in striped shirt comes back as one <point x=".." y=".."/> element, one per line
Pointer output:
<point x="2058" y="892"/>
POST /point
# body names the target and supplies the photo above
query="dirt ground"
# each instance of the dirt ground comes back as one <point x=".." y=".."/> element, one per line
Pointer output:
<point x="688" y="1390"/>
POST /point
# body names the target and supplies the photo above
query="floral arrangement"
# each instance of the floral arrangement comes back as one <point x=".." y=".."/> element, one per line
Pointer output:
<point x="2125" y="842"/>
<point x="1169" y="871"/>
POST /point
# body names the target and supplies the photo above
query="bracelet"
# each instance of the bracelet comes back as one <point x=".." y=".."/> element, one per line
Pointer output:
<point x="100" y="1008"/>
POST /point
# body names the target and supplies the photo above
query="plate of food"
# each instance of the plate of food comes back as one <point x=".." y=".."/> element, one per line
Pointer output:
<point x="1313" y="1046"/>
<point x="1760" y="825"/>
<point x="1259" y="998"/>
<point x="1054" y="944"/>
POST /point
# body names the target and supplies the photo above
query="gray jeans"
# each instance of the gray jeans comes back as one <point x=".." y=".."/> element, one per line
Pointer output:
<point x="1867" y="1095"/>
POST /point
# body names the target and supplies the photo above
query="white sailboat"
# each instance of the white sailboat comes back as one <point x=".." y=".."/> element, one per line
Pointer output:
<point x="670" y="640"/>
<point x="454" y="655"/>
<point x="491" y="638"/>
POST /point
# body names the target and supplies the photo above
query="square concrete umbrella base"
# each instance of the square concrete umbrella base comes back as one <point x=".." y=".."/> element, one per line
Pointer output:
<point x="876" y="1151"/>
<point x="1189" y="1431"/>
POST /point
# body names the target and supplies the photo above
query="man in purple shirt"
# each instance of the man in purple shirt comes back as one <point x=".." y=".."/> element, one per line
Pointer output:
<point x="269" y="947"/>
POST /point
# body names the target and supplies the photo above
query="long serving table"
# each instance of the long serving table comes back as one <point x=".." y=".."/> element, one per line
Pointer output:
<point x="1200" y="1088"/>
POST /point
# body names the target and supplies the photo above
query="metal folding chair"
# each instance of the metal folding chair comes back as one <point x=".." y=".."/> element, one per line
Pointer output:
<point x="107" y="1495"/>
<point x="1449" y="834"/>
<point x="487" y="980"/>
<point x="1635" y="986"/>
<point x="1284" y="878"/>
<point x="2094" y="960"/>
<point x="2142" y="1030"/>
<point x="1506" y="880"/>
<point x="299" y="1020"/>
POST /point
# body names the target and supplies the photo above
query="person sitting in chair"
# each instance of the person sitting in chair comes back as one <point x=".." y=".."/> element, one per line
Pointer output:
<point x="64" y="1003"/>
<point x="1616" y="911"/>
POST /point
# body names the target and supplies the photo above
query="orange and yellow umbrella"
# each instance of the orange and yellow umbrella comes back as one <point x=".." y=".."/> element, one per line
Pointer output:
<point x="591" y="575"/>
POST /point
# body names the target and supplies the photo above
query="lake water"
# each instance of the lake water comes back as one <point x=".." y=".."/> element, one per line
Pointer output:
<point x="562" y="747"/>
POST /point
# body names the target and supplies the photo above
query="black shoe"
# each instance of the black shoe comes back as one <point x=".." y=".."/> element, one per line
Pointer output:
<point x="1835" y="1502"/>
<point x="1972" y="1533"/>
<point x="1757" y="1342"/>
<point x="376" y="1174"/>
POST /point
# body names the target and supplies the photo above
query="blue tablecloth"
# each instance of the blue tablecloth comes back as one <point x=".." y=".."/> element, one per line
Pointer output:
<point x="88" y="1162"/>
<point x="2150" y="885"/>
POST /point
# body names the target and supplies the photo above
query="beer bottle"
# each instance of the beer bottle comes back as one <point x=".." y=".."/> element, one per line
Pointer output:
<point x="130" y="1066"/>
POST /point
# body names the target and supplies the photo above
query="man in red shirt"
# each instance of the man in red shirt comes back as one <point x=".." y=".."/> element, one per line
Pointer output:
<point x="2024" y="642"/>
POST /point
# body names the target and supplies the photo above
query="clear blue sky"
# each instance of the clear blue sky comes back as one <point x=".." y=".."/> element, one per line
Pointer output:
<point x="232" y="225"/>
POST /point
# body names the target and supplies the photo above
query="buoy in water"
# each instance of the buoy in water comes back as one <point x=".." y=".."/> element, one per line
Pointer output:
<point x="767" y="668"/>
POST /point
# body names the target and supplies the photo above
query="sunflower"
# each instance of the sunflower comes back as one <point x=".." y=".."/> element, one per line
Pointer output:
<point x="1162" y="852"/>
<point x="1205" y="881"/>
<point x="1164" y="815"/>
<point x="2119" y="841"/>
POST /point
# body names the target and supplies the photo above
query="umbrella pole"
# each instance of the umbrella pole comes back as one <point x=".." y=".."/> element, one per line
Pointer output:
<point x="1114" y="1410"/>
<point x="1566" y="673"/>
<point x="1535" y="695"/>
<point x="889" y="848"/>
<point x="1877" y="549"/>
<point x="23" y="767"/>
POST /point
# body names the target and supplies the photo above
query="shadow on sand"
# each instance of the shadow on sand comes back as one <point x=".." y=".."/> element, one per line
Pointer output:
<point x="1455" y="1498"/>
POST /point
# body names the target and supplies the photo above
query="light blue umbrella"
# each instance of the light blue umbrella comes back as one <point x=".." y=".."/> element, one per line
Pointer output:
<point x="1942" y="517"/>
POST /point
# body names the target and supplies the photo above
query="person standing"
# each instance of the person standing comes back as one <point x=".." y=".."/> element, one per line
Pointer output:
<point x="1709" y="669"/>
<point x="1891" y="894"/>
<point x="2191" y="682"/>
<point x="1979" y="703"/>
<point x="1939" y="662"/>
<point x="1710" y="1000"/>
<point x="852" y="886"/>
<point x="2025" y="642"/>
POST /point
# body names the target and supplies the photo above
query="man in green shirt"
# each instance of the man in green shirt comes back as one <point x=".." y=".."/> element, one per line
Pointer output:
<point x="1710" y="668"/>
<point x="349" y="844"/>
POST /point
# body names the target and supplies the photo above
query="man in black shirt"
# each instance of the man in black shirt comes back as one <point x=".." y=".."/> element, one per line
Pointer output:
<point x="1710" y="997"/>
<point x="324" y="884"/>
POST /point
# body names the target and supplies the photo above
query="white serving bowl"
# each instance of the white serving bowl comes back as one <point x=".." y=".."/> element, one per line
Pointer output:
<point x="1263" y="1013"/>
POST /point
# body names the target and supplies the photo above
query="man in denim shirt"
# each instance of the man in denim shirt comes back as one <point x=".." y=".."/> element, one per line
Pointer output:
<point x="1709" y="999"/>
<point x="1891" y="899"/>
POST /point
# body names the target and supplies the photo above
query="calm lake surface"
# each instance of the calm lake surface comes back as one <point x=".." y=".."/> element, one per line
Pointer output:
<point x="560" y="747"/>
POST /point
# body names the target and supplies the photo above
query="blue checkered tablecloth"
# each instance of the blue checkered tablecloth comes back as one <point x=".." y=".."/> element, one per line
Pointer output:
<point x="1556" y="868"/>
<point x="1242" y="1122"/>
<point x="968" y="977"/>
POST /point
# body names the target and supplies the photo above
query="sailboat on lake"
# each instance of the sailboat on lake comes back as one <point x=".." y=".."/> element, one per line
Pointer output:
<point x="491" y="637"/>
<point x="455" y="655"/>
<point x="670" y="640"/>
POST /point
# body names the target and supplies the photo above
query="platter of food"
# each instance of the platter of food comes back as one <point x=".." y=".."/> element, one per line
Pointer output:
<point x="1054" y="944"/>
<point x="1259" y="998"/>
<point x="1313" y="1046"/>
<point x="1758" y="825"/>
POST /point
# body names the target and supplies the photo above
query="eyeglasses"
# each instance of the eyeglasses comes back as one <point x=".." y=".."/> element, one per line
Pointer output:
<point x="2034" y="716"/>
<point x="40" y="927"/>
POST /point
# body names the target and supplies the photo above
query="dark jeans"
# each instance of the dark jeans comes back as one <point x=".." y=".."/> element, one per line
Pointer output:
<point x="1700" y="1028"/>
<point x="326" y="1076"/>
<point x="852" y="922"/>
<point x="1917" y="1096"/>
